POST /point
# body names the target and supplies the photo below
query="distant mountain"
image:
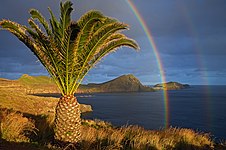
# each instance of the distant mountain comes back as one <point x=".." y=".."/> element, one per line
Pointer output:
<point x="170" y="86"/>
<point x="124" y="83"/>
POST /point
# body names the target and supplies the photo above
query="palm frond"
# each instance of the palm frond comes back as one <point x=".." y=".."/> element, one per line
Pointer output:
<point x="69" y="49"/>
<point x="65" y="16"/>
<point x="105" y="50"/>
<point x="30" y="38"/>
<point x="85" y="23"/>
<point x="98" y="39"/>
<point x="35" y="14"/>
<point x="36" y="28"/>
<point x="101" y="35"/>
<point x="21" y="33"/>
<point x="54" y="25"/>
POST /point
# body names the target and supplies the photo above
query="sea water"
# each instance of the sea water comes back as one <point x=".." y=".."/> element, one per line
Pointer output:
<point x="202" y="108"/>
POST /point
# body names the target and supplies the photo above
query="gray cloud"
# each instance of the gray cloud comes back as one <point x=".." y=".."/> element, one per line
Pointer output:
<point x="190" y="37"/>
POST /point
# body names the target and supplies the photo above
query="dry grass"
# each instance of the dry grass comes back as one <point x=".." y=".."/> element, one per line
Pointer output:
<point x="22" y="102"/>
<point x="100" y="135"/>
<point x="136" y="138"/>
<point x="15" y="127"/>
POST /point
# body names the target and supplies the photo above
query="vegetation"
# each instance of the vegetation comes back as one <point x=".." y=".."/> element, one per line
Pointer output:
<point x="27" y="80"/>
<point x="68" y="50"/>
<point x="15" y="127"/>
<point x="98" y="135"/>
<point x="103" y="136"/>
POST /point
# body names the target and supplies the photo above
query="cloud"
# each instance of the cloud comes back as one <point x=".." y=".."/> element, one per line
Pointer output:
<point x="190" y="37"/>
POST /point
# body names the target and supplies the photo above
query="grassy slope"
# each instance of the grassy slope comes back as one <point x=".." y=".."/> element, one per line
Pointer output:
<point x="38" y="84"/>
<point x="26" y="79"/>
<point x="22" y="102"/>
<point x="18" y="95"/>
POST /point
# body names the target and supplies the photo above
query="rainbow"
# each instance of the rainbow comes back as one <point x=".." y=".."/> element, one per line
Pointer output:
<point x="195" y="42"/>
<point x="200" y="62"/>
<point x="156" y="54"/>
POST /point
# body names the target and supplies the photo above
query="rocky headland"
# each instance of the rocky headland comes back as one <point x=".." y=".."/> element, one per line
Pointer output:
<point x="170" y="86"/>
<point x="124" y="83"/>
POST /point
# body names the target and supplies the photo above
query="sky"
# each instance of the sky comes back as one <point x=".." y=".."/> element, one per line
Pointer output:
<point x="190" y="36"/>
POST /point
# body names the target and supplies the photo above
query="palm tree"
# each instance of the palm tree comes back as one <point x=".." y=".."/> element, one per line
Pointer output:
<point x="68" y="50"/>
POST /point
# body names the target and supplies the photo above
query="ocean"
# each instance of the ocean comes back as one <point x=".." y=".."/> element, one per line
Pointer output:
<point x="202" y="108"/>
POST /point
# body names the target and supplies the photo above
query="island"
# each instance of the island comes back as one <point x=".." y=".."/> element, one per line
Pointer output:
<point x="170" y="86"/>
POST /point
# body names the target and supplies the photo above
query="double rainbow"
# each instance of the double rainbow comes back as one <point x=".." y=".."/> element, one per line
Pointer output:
<point x="156" y="54"/>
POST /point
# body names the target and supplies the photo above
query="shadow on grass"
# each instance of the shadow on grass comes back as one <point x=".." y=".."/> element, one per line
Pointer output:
<point x="58" y="95"/>
<point x="55" y="95"/>
<point x="44" y="127"/>
<point x="6" y="145"/>
<point x="43" y="134"/>
<point x="186" y="146"/>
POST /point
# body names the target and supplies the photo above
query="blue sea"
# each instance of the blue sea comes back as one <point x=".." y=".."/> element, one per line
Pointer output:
<point x="202" y="108"/>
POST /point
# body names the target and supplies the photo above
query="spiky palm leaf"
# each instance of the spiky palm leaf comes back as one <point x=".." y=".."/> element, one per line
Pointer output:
<point x="68" y="50"/>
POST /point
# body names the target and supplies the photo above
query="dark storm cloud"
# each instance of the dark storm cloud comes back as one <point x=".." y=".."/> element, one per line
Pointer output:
<point x="137" y="63"/>
<point x="19" y="10"/>
<point x="15" y="58"/>
<point x="182" y="17"/>
<point x="211" y="45"/>
<point x="189" y="34"/>
<point x="12" y="48"/>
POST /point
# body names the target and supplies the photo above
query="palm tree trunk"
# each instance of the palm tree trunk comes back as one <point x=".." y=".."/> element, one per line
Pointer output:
<point x="67" y="120"/>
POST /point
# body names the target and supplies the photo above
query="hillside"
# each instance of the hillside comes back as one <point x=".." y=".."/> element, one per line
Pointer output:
<point x="44" y="80"/>
<point x="37" y="84"/>
<point x="124" y="83"/>
<point x="44" y="84"/>
<point x="18" y="95"/>
<point x="170" y="86"/>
